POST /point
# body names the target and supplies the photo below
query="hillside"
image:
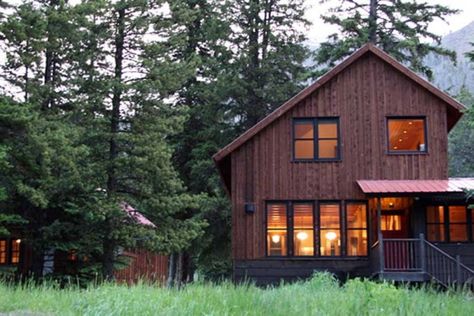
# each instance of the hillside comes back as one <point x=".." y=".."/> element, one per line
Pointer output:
<point x="450" y="77"/>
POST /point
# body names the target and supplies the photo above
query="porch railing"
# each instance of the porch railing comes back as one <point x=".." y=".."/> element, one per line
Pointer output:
<point x="421" y="256"/>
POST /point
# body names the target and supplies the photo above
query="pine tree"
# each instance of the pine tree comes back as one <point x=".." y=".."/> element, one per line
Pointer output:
<point x="269" y="57"/>
<point x="398" y="27"/>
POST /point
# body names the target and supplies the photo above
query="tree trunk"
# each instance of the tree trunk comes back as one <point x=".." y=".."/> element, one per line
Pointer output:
<point x="373" y="22"/>
<point x="178" y="278"/>
<point x="109" y="242"/>
<point x="171" y="270"/>
<point x="49" y="65"/>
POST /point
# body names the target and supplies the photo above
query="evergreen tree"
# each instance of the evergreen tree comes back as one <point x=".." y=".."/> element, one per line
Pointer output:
<point x="461" y="146"/>
<point x="399" y="27"/>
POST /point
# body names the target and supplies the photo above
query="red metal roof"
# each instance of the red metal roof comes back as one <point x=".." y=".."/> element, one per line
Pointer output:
<point x="451" y="185"/>
<point x="136" y="215"/>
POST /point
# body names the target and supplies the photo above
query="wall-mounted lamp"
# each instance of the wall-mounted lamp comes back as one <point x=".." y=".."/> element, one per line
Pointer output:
<point x="249" y="208"/>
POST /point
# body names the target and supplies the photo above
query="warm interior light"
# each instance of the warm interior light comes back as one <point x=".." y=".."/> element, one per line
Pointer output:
<point x="395" y="147"/>
<point x="410" y="123"/>
<point x="331" y="236"/>
<point x="18" y="241"/>
<point x="404" y="132"/>
<point x="400" y="140"/>
<point x="276" y="239"/>
<point x="390" y="204"/>
<point x="302" y="236"/>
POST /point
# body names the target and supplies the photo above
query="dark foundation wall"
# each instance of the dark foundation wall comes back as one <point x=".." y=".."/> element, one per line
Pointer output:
<point x="273" y="271"/>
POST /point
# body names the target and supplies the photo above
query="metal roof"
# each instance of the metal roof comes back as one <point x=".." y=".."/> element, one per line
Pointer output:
<point x="451" y="185"/>
<point x="136" y="215"/>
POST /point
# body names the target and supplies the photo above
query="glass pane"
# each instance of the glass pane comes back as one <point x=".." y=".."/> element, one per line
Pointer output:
<point x="3" y="251"/>
<point x="357" y="242"/>
<point x="15" y="250"/>
<point x="356" y="215"/>
<point x="457" y="214"/>
<point x="303" y="241"/>
<point x="435" y="232"/>
<point x="303" y="215"/>
<point x="391" y="222"/>
<point x="435" y="214"/>
<point x="457" y="232"/>
<point x="276" y="216"/>
<point x="330" y="242"/>
<point x="304" y="130"/>
<point x="329" y="215"/>
<point x="276" y="243"/>
<point x="327" y="148"/>
<point x="406" y="134"/>
<point x="304" y="149"/>
<point x="327" y="129"/>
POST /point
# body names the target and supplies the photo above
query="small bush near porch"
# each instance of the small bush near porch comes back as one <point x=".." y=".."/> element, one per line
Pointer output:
<point x="319" y="296"/>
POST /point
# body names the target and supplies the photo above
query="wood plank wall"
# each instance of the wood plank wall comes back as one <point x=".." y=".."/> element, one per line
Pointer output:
<point x="362" y="96"/>
<point x="144" y="265"/>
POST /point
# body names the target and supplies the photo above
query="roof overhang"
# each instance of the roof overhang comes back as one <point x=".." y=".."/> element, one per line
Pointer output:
<point x="410" y="187"/>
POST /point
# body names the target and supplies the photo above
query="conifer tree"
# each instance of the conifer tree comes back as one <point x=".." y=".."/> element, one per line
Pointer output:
<point x="399" y="27"/>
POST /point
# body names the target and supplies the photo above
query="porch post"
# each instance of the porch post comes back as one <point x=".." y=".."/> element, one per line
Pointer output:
<point x="379" y="234"/>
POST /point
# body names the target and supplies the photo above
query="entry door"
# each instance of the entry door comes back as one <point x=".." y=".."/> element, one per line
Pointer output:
<point x="394" y="224"/>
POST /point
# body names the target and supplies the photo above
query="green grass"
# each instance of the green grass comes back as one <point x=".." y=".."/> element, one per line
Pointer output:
<point x="318" y="296"/>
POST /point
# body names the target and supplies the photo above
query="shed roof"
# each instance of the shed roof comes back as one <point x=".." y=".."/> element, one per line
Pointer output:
<point x="136" y="215"/>
<point x="454" y="107"/>
<point x="451" y="185"/>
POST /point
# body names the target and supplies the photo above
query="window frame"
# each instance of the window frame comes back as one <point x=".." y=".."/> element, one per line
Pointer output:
<point x="469" y="224"/>
<point x="408" y="117"/>
<point x="316" y="228"/>
<point x="315" y="122"/>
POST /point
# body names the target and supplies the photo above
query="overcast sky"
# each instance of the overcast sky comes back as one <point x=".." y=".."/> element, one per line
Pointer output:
<point x="319" y="31"/>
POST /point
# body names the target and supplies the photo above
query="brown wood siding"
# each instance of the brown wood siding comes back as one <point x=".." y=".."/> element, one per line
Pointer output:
<point x="362" y="95"/>
<point x="144" y="265"/>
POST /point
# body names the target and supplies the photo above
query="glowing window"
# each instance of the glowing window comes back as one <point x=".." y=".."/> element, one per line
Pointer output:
<point x="406" y="135"/>
<point x="276" y="230"/>
<point x="303" y="239"/>
<point x="330" y="229"/>
<point x="356" y="219"/>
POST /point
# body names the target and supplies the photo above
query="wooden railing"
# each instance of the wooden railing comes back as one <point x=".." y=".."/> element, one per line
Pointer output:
<point x="419" y="255"/>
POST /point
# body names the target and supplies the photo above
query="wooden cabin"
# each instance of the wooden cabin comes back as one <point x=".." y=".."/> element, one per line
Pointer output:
<point x="18" y="258"/>
<point x="351" y="176"/>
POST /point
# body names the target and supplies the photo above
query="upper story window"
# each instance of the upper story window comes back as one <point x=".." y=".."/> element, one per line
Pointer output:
<point x="407" y="135"/>
<point x="316" y="139"/>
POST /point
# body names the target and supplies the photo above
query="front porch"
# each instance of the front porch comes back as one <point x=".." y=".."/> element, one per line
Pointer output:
<point x="410" y="232"/>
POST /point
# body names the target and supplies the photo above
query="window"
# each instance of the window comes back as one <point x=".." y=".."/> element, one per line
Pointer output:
<point x="447" y="223"/>
<point x="457" y="223"/>
<point x="15" y="251"/>
<point x="303" y="239"/>
<point x="10" y="251"/>
<point x="406" y="135"/>
<point x="277" y="229"/>
<point x="391" y="222"/>
<point x="3" y="251"/>
<point x="297" y="228"/>
<point x="356" y="223"/>
<point x="316" y="139"/>
<point x="330" y="232"/>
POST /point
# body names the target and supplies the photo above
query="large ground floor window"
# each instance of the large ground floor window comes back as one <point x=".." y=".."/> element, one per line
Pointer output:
<point x="449" y="223"/>
<point x="316" y="228"/>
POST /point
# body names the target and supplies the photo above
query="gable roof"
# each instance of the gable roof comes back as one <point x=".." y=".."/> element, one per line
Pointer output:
<point x="454" y="107"/>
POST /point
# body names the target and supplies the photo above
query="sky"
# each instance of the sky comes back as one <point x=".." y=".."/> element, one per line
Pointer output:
<point x="319" y="31"/>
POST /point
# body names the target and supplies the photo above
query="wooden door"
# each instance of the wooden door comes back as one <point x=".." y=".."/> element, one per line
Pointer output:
<point x="394" y="224"/>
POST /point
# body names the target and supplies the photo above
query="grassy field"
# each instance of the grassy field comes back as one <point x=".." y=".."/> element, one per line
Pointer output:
<point x="319" y="296"/>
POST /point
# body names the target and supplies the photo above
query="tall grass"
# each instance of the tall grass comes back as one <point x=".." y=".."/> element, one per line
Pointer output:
<point x="321" y="295"/>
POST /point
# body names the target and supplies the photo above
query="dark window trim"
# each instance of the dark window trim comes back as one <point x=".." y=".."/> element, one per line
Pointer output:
<point x="316" y="228"/>
<point x="314" y="121"/>
<point x="407" y="152"/>
<point x="447" y="222"/>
